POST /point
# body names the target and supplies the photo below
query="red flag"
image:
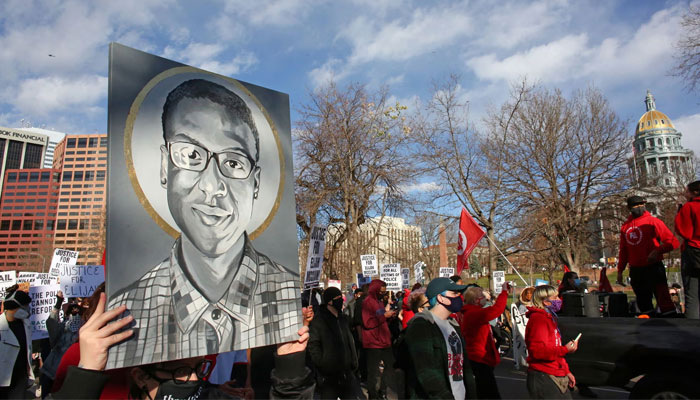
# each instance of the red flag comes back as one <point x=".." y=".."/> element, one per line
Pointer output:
<point x="604" y="284"/>
<point x="566" y="268"/>
<point x="469" y="235"/>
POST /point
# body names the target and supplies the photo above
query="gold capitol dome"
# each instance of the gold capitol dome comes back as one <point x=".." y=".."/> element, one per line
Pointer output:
<point x="653" y="121"/>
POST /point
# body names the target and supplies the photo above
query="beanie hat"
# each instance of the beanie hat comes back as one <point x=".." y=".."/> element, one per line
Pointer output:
<point x="16" y="299"/>
<point x="330" y="293"/>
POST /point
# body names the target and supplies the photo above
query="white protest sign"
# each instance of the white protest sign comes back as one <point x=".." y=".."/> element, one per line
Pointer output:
<point x="7" y="279"/>
<point x="499" y="278"/>
<point x="43" y="301"/>
<point x="314" y="261"/>
<point x="446" y="272"/>
<point x="62" y="257"/>
<point x="334" y="283"/>
<point x="369" y="265"/>
<point x="519" y="347"/>
<point x="418" y="271"/>
<point x="405" y="278"/>
<point x="391" y="275"/>
<point x="80" y="280"/>
<point x="44" y="279"/>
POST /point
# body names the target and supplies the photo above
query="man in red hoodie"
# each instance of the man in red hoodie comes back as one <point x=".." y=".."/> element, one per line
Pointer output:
<point x="481" y="348"/>
<point x="643" y="241"/>
<point x="376" y="338"/>
<point x="688" y="227"/>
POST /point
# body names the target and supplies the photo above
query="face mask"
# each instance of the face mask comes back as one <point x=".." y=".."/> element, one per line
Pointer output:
<point x="555" y="306"/>
<point x="337" y="304"/>
<point x="22" y="313"/>
<point x="456" y="304"/>
<point x="577" y="282"/>
<point x="638" y="211"/>
<point x="171" y="390"/>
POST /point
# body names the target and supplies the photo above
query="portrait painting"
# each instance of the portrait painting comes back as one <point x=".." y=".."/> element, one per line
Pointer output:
<point x="201" y="238"/>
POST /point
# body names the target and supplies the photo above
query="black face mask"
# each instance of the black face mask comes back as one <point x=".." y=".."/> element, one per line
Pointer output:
<point x="337" y="304"/>
<point x="170" y="390"/>
<point x="638" y="211"/>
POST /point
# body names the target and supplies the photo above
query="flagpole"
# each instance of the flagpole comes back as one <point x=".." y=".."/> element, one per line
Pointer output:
<point x="507" y="260"/>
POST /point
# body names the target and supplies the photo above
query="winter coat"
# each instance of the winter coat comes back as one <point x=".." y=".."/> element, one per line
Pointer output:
<point x="477" y="330"/>
<point x="9" y="349"/>
<point x="375" y="330"/>
<point x="427" y="376"/>
<point x="61" y="338"/>
<point x="688" y="223"/>
<point x="543" y="340"/>
<point x="639" y="236"/>
<point x="331" y="346"/>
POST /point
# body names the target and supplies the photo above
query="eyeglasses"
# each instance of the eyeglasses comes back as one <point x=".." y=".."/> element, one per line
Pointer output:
<point x="193" y="157"/>
<point x="184" y="373"/>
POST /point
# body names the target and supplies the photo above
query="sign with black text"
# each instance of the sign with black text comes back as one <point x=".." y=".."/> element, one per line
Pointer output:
<point x="314" y="261"/>
<point x="369" y="265"/>
<point x="43" y="301"/>
<point x="62" y="257"/>
<point x="80" y="280"/>
<point x="405" y="278"/>
<point x="418" y="271"/>
<point x="499" y="278"/>
<point x="446" y="272"/>
<point x="391" y="275"/>
<point x="7" y="279"/>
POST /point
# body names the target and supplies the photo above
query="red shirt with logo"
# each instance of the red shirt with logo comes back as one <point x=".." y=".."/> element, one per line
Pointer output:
<point x="639" y="236"/>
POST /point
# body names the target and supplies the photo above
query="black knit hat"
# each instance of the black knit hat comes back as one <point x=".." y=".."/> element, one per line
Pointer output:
<point x="634" y="200"/>
<point x="16" y="299"/>
<point x="330" y="293"/>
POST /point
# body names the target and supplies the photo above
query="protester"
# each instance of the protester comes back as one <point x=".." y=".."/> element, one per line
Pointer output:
<point x="525" y="299"/>
<point x="570" y="282"/>
<point x="332" y="350"/>
<point x="688" y="227"/>
<point x="476" y="329"/>
<point x="435" y="349"/>
<point x="548" y="375"/>
<point x="62" y="334"/>
<point x="406" y="312"/>
<point x="16" y="374"/>
<point x="417" y="302"/>
<point x="643" y="241"/>
<point x="356" y="324"/>
<point x="376" y="339"/>
<point x="174" y="379"/>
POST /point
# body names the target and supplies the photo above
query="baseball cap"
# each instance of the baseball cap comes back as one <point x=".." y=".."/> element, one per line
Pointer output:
<point x="439" y="285"/>
<point x="634" y="200"/>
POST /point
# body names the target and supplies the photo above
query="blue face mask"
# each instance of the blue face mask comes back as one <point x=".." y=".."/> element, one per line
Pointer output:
<point x="577" y="282"/>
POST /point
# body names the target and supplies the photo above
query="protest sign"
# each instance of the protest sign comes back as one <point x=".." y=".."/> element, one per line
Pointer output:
<point x="369" y="265"/>
<point x="314" y="261"/>
<point x="405" y="278"/>
<point x="334" y="283"/>
<point x="499" y="278"/>
<point x="519" y="346"/>
<point x="418" y="272"/>
<point x="80" y="280"/>
<point x="43" y="301"/>
<point x="362" y="279"/>
<point x="28" y="277"/>
<point x="62" y="257"/>
<point x="446" y="272"/>
<point x="391" y="275"/>
<point x="7" y="279"/>
<point x="36" y="278"/>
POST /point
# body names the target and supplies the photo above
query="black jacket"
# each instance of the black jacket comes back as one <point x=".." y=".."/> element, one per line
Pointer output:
<point x="331" y="345"/>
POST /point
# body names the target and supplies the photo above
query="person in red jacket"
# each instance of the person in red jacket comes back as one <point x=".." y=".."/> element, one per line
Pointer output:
<point x="688" y="227"/>
<point x="376" y="338"/>
<point x="548" y="375"/>
<point x="643" y="241"/>
<point x="481" y="348"/>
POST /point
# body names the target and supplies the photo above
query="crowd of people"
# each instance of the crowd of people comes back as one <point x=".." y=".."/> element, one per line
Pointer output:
<point x="434" y="341"/>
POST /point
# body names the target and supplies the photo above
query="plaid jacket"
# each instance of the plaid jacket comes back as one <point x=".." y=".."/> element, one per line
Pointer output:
<point x="173" y="320"/>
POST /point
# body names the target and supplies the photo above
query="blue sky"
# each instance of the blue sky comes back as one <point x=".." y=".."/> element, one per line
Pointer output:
<point x="623" y="47"/>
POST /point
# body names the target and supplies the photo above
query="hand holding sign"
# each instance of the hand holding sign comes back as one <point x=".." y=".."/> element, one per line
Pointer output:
<point x="97" y="335"/>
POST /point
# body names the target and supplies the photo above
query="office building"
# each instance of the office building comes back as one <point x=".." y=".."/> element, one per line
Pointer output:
<point x="20" y="149"/>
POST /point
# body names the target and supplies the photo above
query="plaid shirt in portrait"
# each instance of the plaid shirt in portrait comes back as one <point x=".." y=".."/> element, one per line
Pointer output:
<point x="173" y="320"/>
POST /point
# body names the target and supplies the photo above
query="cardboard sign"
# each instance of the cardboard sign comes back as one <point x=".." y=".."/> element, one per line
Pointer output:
<point x="391" y="275"/>
<point x="405" y="278"/>
<point x="446" y="272"/>
<point x="499" y="278"/>
<point x="314" y="261"/>
<point x="362" y="279"/>
<point x="43" y="301"/>
<point x="7" y="279"/>
<point x="80" y="280"/>
<point x="369" y="265"/>
<point x="62" y="257"/>
<point x="418" y="272"/>
<point x="334" y="283"/>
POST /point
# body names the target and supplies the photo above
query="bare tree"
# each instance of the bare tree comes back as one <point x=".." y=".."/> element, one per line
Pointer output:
<point x="351" y="162"/>
<point x="688" y="46"/>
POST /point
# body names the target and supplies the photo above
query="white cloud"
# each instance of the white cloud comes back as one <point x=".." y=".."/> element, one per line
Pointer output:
<point x="689" y="126"/>
<point x="326" y="73"/>
<point x="207" y="56"/>
<point x="269" y="12"/>
<point x="421" y="187"/>
<point x="41" y="96"/>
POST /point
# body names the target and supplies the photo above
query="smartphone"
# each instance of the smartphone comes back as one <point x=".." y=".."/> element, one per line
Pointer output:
<point x="578" y="337"/>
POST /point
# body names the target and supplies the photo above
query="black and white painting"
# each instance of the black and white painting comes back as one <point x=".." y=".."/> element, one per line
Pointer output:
<point x="201" y="239"/>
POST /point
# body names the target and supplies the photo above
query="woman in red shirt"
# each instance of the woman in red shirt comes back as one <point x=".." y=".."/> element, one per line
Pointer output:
<point x="548" y="375"/>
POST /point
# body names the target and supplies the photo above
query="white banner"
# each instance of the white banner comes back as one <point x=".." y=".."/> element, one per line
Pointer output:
<point x="62" y="257"/>
<point x="7" y="279"/>
<point x="391" y="275"/>
<point x="418" y="272"/>
<point x="405" y="278"/>
<point x="519" y="347"/>
<point x="80" y="280"/>
<point x="334" y="283"/>
<point x="43" y="301"/>
<point x="446" y="272"/>
<point x="314" y="261"/>
<point x="369" y="265"/>
<point x="499" y="278"/>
